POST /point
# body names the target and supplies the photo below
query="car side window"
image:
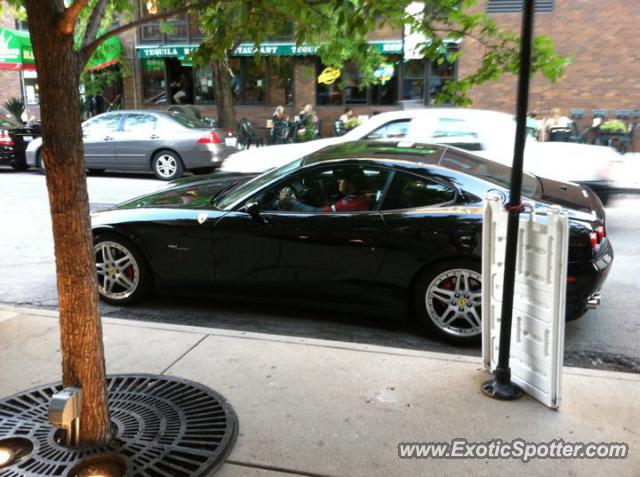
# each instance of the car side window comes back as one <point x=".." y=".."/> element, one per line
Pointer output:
<point x="456" y="132"/>
<point x="139" y="123"/>
<point x="409" y="191"/>
<point x="336" y="189"/>
<point x="391" y="130"/>
<point x="102" y="124"/>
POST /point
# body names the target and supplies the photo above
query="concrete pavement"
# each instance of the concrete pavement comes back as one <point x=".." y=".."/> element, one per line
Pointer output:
<point x="326" y="408"/>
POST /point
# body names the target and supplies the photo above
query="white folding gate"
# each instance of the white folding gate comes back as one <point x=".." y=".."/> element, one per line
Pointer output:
<point x="537" y="333"/>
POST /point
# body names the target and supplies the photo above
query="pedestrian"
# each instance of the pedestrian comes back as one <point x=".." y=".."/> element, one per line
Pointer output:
<point x="278" y="114"/>
<point x="348" y="114"/>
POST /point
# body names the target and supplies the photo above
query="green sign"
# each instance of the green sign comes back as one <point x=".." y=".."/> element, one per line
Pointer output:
<point x="15" y="50"/>
<point x="166" y="51"/>
<point x="265" y="49"/>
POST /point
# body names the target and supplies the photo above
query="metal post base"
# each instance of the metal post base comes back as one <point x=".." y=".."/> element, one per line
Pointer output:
<point x="501" y="387"/>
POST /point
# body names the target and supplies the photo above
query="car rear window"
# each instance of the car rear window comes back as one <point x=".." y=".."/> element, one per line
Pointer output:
<point x="488" y="170"/>
<point x="190" y="121"/>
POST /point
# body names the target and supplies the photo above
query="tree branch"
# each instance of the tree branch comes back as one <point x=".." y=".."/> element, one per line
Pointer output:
<point x="89" y="49"/>
<point x="94" y="22"/>
<point x="68" y="21"/>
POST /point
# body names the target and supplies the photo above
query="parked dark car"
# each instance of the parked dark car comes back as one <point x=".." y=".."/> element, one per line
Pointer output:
<point x="390" y="224"/>
<point x="165" y="143"/>
<point x="14" y="139"/>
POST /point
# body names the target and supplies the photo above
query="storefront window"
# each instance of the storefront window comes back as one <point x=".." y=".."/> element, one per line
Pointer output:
<point x="254" y="79"/>
<point x="440" y="74"/>
<point x="153" y="81"/>
<point x="280" y="80"/>
<point x="413" y="81"/>
<point x="248" y="82"/>
<point x="205" y="92"/>
<point x="353" y="93"/>
<point x="329" y="86"/>
<point x="346" y="88"/>
<point x="414" y="76"/>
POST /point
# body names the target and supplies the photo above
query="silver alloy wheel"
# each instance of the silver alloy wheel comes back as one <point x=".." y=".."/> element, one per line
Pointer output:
<point x="118" y="271"/>
<point x="453" y="301"/>
<point x="166" y="165"/>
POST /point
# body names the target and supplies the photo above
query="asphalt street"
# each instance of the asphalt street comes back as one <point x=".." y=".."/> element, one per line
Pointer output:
<point x="605" y="338"/>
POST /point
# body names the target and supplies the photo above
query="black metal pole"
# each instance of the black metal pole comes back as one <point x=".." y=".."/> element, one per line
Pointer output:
<point x="501" y="387"/>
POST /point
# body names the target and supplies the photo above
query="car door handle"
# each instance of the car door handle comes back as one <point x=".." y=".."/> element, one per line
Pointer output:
<point x="153" y="136"/>
<point x="108" y="138"/>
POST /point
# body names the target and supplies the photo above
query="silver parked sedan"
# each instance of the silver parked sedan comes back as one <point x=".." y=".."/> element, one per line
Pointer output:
<point x="165" y="143"/>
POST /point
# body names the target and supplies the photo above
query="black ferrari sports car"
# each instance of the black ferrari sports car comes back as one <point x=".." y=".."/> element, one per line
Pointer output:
<point x="393" y="224"/>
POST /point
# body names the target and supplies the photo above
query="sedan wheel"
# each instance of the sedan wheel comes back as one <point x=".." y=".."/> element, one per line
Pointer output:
<point x="167" y="166"/>
<point x="449" y="302"/>
<point x="122" y="271"/>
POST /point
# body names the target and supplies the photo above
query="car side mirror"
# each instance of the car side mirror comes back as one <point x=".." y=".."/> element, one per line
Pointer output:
<point x="253" y="209"/>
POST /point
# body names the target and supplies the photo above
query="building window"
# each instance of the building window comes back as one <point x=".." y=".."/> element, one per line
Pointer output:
<point x="30" y="87"/>
<point x="153" y="81"/>
<point x="415" y="72"/>
<point x="515" y="6"/>
<point x="185" y="28"/>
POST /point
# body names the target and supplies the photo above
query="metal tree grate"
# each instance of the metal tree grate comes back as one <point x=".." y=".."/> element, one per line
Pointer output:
<point x="164" y="426"/>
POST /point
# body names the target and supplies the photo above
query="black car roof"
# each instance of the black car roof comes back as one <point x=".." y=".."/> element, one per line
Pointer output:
<point x="390" y="151"/>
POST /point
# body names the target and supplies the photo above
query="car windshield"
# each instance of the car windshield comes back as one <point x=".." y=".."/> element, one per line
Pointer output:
<point x="489" y="170"/>
<point x="226" y="200"/>
<point x="190" y="121"/>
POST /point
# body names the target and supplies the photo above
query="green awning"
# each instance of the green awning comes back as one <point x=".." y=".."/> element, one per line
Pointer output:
<point x="107" y="54"/>
<point x="265" y="49"/>
<point x="15" y="50"/>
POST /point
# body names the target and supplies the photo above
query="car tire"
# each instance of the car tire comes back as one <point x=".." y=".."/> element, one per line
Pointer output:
<point x="203" y="170"/>
<point x="40" y="162"/>
<point x="447" y="301"/>
<point x="20" y="166"/>
<point x="95" y="172"/>
<point x="124" y="276"/>
<point x="167" y="165"/>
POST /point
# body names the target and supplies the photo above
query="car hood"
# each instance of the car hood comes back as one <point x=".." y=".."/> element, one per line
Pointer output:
<point x="260" y="159"/>
<point x="189" y="193"/>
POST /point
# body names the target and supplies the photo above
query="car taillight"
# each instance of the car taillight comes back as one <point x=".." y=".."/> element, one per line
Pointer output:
<point x="601" y="233"/>
<point x="5" y="139"/>
<point x="210" y="138"/>
<point x="593" y="237"/>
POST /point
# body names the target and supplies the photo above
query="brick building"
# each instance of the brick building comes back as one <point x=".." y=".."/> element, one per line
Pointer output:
<point x="600" y="37"/>
<point x="602" y="43"/>
<point x="16" y="83"/>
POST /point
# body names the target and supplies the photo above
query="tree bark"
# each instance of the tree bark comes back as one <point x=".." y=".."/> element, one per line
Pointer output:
<point x="59" y="66"/>
<point x="224" y="95"/>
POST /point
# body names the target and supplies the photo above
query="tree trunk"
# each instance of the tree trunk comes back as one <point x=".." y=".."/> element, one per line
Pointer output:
<point x="224" y="95"/>
<point x="59" y="66"/>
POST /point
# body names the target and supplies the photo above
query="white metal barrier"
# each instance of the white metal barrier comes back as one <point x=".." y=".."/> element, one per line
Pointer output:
<point x="537" y="333"/>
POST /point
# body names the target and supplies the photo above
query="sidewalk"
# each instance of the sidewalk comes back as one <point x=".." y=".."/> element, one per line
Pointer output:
<point x="323" y="408"/>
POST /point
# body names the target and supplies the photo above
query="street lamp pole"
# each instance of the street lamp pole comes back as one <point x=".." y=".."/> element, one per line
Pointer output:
<point x="501" y="387"/>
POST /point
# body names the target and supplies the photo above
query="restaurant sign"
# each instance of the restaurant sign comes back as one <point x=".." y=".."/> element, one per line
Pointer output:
<point x="265" y="49"/>
<point x="15" y="50"/>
